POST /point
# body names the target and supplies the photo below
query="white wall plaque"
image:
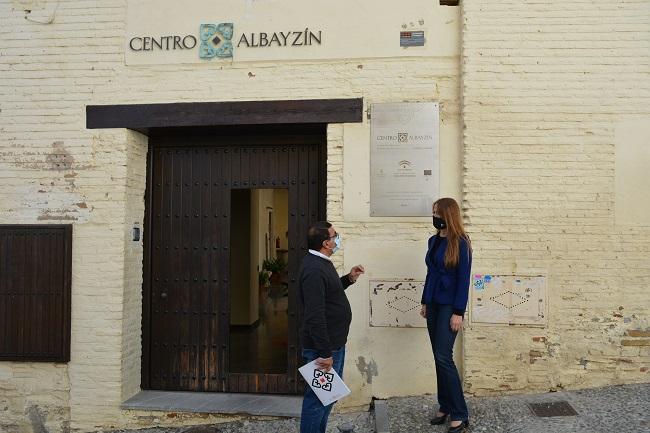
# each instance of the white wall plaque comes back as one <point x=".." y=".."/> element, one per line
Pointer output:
<point x="508" y="299"/>
<point x="396" y="303"/>
<point x="404" y="158"/>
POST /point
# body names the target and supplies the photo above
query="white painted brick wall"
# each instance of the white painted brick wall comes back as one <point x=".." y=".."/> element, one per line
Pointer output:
<point x="544" y="85"/>
<point x="132" y="319"/>
<point x="48" y="74"/>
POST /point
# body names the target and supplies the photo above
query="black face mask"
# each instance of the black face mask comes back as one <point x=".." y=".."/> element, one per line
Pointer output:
<point x="439" y="223"/>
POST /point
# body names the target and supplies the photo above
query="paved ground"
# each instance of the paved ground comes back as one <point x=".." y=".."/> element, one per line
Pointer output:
<point x="602" y="410"/>
<point x="610" y="409"/>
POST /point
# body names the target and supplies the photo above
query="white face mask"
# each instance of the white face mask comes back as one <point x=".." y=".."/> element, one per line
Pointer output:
<point x="337" y="241"/>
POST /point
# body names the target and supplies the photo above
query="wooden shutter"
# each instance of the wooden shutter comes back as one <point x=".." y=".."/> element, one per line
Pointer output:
<point x="35" y="272"/>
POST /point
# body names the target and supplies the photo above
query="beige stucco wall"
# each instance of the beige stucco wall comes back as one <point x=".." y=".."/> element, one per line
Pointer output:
<point x="548" y="111"/>
<point x="33" y="396"/>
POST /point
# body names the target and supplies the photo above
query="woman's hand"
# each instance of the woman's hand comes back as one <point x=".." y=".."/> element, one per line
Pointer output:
<point x="456" y="322"/>
<point x="423" y="311"/>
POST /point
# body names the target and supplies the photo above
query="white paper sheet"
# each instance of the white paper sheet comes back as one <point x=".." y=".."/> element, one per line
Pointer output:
<point x="328" y="387"/>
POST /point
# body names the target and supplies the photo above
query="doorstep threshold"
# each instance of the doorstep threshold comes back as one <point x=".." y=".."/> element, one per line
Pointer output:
<point x="216" y="403"/>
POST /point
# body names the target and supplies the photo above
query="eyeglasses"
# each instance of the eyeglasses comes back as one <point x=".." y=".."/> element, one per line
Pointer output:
<point x="333" y="237"/>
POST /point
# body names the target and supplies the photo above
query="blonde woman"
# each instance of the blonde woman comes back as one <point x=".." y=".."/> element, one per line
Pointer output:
<point x="449" y="262"/>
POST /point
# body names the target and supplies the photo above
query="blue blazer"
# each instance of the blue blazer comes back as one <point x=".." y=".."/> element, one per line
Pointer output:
<point x="447" y="286"/>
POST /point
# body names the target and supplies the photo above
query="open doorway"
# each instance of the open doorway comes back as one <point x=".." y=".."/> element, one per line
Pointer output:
<point x="190" y="238"/>
<point x="259" y="294"/>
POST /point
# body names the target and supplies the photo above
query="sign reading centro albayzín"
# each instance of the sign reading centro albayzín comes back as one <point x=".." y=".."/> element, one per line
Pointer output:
<point x="166" y="32"/>
<point x="216" y="40"/>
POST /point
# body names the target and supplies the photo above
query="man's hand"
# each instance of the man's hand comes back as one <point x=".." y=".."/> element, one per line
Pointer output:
<point x="355" y="272"/>
<point x="456" y="322"/>
<point x="423" y="311"/>
<point x="325" y="363"/>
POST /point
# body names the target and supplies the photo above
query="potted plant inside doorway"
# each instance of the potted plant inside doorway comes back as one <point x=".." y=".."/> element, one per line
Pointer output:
<point x="275" y="267"/>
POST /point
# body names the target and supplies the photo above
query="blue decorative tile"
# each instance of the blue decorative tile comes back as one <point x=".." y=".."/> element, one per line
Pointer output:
<point x="216" y="40"/>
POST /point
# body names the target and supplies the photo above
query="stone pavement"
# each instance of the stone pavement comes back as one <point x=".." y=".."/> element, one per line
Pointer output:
<point x="624" y="408"/>
<point x="610" y="409"/>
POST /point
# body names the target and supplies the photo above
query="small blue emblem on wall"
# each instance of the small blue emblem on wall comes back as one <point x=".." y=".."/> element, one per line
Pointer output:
<point x="216" y="40"/>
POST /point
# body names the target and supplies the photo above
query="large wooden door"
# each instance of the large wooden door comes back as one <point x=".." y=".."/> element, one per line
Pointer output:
<point x="186" y="291"/>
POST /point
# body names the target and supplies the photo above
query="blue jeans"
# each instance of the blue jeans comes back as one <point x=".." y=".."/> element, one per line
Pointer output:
<point x="450" y="390"/>
<point x="313" y="418"/>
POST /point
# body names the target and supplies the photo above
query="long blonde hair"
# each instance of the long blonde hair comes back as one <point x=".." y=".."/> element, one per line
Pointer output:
<point x="449" y="210"/>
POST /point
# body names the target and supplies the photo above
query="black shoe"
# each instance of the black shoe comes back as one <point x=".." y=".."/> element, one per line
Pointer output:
<point x="439" y="419"/>
<point x="459" y="428"/>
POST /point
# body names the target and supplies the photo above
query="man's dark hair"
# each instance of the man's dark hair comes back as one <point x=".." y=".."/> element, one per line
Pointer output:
<point x="317" y="233"/>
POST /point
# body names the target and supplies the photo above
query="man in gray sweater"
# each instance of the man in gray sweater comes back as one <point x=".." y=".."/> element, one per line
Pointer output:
<point x="326" y="316"/>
